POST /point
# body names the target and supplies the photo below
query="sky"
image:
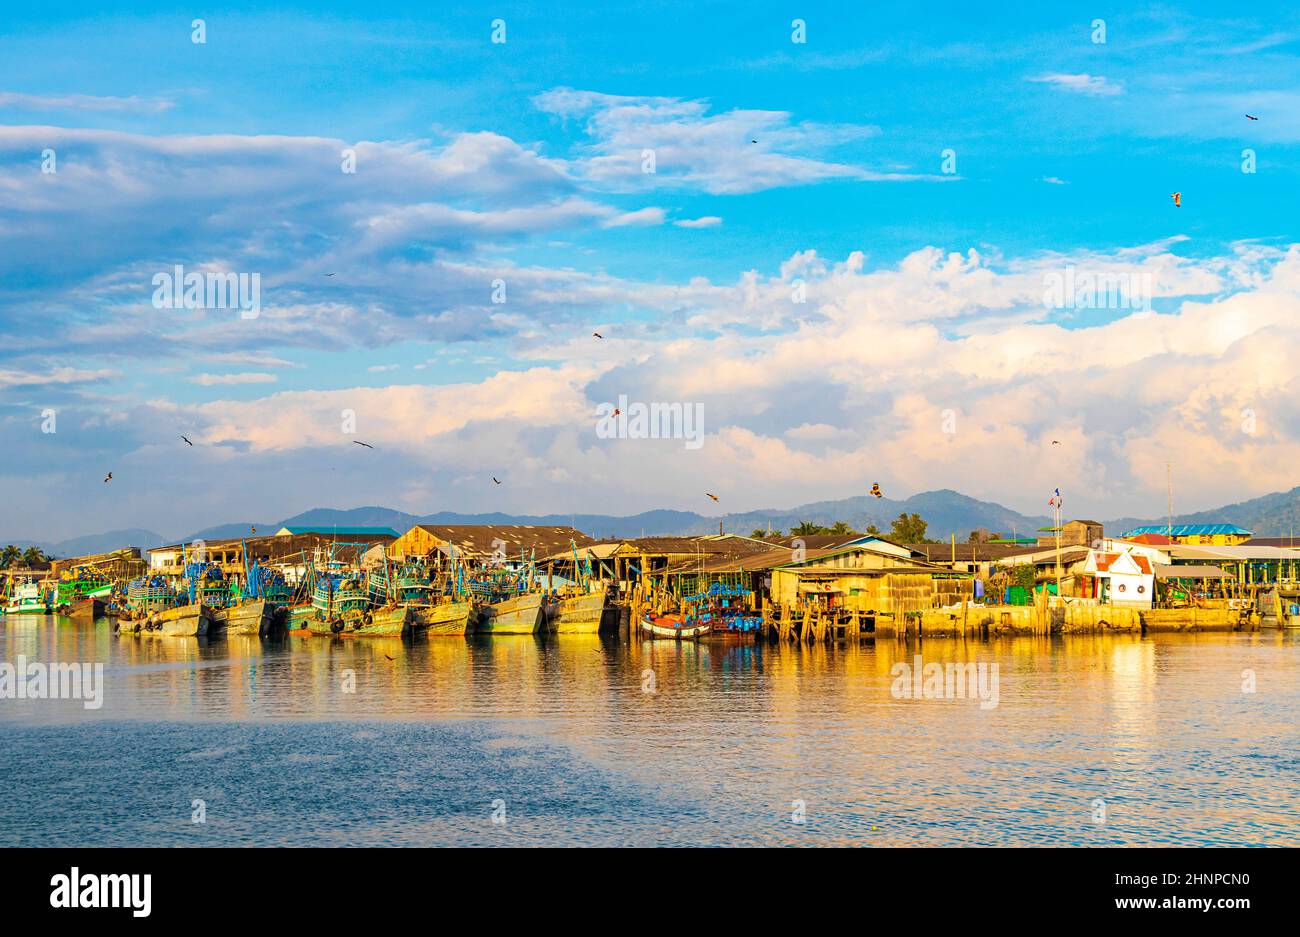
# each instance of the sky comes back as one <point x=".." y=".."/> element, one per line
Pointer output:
<point x="925" y="250"/>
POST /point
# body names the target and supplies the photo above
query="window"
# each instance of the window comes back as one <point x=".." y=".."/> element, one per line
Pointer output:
<point x="1141" y="589"/>
<point x="1122" y="587"/>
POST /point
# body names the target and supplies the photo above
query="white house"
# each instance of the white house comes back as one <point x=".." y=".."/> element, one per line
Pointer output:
<point x="1122" y="578"/>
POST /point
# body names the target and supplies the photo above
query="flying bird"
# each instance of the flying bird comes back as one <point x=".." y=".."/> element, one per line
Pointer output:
<point x="108" y="477"/>
<point x="713" y="496"/>
<point x="329" y="274"/>
<point x="187" y="440"/>
<point x="1251" y="118"/>
<point x="1178" y="199"/>
<point x="494" y="478"/>
<point x="875" y="490"/>
<point x="253" y="529"/>
<point x="753" y="141"/>
<point x="1056" y="442"/>
<point x="357" y="442"/>
<point x="390" y="658"/>
<point x="617" y="411"/>
<point x="597" y="334"/>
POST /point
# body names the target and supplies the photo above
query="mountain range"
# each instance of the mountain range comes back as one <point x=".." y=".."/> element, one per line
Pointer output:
<point x="948" y="512"/>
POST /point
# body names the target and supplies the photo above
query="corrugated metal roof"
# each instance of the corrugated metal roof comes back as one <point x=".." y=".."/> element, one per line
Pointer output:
<point x="328" y="531"/>
<point x="1189" y="530"/>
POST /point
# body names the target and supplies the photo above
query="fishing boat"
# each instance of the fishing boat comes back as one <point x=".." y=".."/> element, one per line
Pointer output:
<point x="146" y="595"/>
<point x="390" y="621"/>
<point x="180" y="621"/>
<point x="86" y="609"/>
<point x="448" y="618"/>
<point x="581" y="613"/>
<point x="86" y="583"/>
<point x="250" y="616"/>
<point x="519" y="614"/>
<point x="673" y="627"/>
<point x="340" y="603"/>
<point x="723" y="607"/>
<point x="26" y="597"/>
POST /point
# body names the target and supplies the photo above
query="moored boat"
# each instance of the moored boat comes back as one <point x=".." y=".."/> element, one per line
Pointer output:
<point x="389" y="621"/>
<point x="450" y="618"/>
<point x="255" y="616"/>
<point x="520" y="614"/>
<point x="86" y="609"/>
<point x="583" y="613"/>
<point x="179" y="621"/>
<point x="27" y="598"/>
<point x="673" y="627"/>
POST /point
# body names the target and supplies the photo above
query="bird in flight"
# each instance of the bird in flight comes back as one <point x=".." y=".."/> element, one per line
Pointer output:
<point x="1056" y="442"/>
<point x="390" y="658"/>
<point x="494" y="478"/>
<point x="713" y="496"/>
<point x="1178" y="199"/>
<point x="875" y="490"/>
<point x="108" y="477"/>
<point x="1251" y="118"/>
<point x="187" y="440"/>
<point x="597" y="334"/>
<point x="357" y="442"/>
<point x="617" y="411"/>
<point x="329" y="274"/>
<point x="753" y="141"/>
<point x="253" y="529"/>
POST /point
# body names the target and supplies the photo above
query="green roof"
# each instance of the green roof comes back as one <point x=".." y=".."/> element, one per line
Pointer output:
<point x="342" y="531"/>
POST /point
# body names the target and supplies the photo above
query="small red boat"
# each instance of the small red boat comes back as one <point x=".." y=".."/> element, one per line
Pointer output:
<point x="674" y="627"/>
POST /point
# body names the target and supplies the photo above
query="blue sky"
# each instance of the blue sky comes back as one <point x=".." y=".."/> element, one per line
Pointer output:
<point x="522" y="161"/>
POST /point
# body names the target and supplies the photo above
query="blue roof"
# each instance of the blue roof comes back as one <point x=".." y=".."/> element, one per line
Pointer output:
<point x="344" y="531"/>
<point x="1188" y="530"/>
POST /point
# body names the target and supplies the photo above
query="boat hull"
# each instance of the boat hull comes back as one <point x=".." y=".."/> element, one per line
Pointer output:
<point x="255" y="617"/>
<point x="184" y="621"/>
<point x="385" y="622"/>
<point x="668" y="629"/>
<point x="581" y="614"/>
<point x="87" y="610"/>
<point x="453" y="618"/>
<point x="519" y="615"/>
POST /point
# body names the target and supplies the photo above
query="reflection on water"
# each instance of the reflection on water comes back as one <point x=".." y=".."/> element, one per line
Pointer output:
<point x="306" y="740"/>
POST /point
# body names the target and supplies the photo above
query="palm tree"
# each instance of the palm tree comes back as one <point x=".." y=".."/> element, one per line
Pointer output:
<point x="842" y="528"/>
<point x="807" y="529"/>
<point x="33" y="556"/>
<point x="9" y="555"/>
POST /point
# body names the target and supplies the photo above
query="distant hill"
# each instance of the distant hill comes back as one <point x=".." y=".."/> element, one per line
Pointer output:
<point x="948" y="512"/>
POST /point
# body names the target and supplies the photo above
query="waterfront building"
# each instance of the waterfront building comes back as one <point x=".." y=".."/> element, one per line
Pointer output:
<point x="1195" y="534"/>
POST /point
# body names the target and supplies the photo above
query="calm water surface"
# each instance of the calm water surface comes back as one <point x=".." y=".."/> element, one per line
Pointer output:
<point x="561" y="734"/>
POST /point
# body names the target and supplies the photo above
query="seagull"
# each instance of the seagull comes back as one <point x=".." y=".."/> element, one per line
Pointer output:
<point x="1248" y="117"/>
<point x="357" y="442"/>
<point x="753" y="141"/>
<point x="494" y="478"/>
<point x="186" y="438"/>
<point x="713" y="496"/>
<point x="1178" y="199"/>
<point x="253" y="529"/>
<point x="597" y="334"/>
<point x="108" y="477"/>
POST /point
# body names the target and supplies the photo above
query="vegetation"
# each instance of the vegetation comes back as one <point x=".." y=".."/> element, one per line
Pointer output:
<point x="909" y="528"/>
<point x="808" y="529"/>
<point x="13" y="556"/>
<point x="1024" y="577"/>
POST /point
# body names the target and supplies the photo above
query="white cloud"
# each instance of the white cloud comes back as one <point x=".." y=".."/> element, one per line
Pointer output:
<point x="1082" y="83"/>
<point x="733" y="152"/>
<point x="246" y="377"/>
<point x="707" y="221"/>
<point x="82" y="102"/>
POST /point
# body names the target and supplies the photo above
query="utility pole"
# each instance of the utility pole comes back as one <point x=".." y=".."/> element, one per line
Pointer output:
<point x="1169" y="486"/>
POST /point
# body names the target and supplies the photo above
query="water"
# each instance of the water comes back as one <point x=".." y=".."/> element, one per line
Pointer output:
<point x="557" y="736"/>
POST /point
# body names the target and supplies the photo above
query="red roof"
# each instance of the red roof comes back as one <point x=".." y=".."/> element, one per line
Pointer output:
<point x="1153" y="540"/>
<point x="1104" y="561"/>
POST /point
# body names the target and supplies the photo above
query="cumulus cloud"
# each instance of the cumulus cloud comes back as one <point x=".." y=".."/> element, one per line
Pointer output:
<point x="643" y="141"/>
<point x="1081" y="83"/>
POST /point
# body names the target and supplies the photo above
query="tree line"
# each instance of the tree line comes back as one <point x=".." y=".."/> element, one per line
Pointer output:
<point x="12" y="556"/>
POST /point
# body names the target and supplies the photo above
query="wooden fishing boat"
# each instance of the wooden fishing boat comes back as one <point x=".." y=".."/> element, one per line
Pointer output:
<point x="390" y="621"/>
<point x="339" y="605"/>
<point x="297" y="616"/>
<point x="86" y="609"/>
<point x="256" y="616"/>
<point x="180" y="621"/>
<point x="581" y="614"/>
<point x="450" y="618"/>
<point x="27" y="598"/>
<point x="520" y="614"/>
<point x="146" y="595"/>
<point x="673" y="627"/>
